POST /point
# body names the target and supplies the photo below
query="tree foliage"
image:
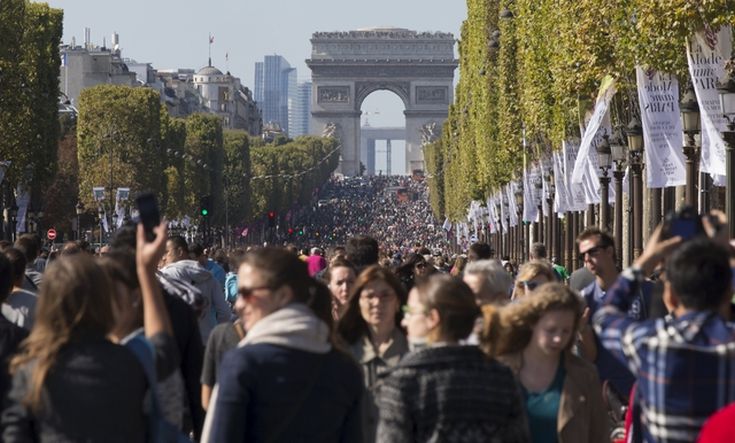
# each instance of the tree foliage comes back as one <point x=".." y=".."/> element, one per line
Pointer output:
<point x="119" y="141"/>
<point x="287" y="175"/>
<point x="29" y="69"/>
<point x="530" y="73"/>
<point x="237" y="176"/>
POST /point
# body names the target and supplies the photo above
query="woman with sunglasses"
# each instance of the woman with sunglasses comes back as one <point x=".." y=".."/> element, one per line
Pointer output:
<point x="446" y="391"/>
<point x="562" y="392"/>
<point x="285" y="381"/>
<point x="370" y="328"/>
<point x="530" y="276"/>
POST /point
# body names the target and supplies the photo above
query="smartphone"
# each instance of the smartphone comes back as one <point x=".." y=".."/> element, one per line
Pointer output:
<point x="148" y="213"/>
<point x="686" y="224"/>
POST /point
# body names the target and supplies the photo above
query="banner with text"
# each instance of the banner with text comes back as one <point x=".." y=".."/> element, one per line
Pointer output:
<point x="577" y="201"/>
<point x="707" y="53"/>
<point x="658" y="95"/>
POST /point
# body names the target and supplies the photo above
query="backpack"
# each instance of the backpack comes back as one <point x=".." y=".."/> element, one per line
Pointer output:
<point x="159" y="430"/>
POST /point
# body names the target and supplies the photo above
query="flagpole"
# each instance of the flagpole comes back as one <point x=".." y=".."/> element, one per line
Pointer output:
<point x="210" y="49"/>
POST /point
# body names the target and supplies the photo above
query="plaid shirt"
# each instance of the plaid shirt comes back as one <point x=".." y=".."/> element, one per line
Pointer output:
<point x="685" y="367"/>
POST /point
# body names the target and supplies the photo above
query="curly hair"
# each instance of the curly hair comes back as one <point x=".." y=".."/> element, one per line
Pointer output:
<point x="508" y="329"/>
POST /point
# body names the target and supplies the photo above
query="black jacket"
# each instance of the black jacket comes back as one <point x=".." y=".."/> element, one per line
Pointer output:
<point x="93" y="393"/>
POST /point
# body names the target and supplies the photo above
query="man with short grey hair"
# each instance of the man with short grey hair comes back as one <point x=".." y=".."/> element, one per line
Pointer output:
<point x="490" y="282"/>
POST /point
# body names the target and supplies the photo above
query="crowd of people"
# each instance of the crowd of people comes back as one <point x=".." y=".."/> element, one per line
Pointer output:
<point x="372" y="340"/>
<point x="392" y="209"/>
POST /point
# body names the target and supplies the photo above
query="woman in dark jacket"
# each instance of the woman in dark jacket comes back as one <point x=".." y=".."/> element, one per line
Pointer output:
<point x="285" y="382"/>
<point x="70" y="382"/>
<point x="446" y="391"/>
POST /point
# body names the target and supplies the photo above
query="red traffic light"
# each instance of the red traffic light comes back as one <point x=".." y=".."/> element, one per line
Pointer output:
<point x="290" y="231"/>
<point x="271" y="214"/>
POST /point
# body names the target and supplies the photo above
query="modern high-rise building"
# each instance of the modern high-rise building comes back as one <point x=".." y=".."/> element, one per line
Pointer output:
<point x="300" y="111"/>
<point x="275" y="84"/>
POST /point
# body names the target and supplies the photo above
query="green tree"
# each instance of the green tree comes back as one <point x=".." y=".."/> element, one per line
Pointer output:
<point x="237" y="176"/>
<point x="119" y="141"/>
<point x="204" y="162"/>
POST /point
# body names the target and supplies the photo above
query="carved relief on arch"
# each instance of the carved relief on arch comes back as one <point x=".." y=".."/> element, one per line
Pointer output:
<point x="363" y="89"/>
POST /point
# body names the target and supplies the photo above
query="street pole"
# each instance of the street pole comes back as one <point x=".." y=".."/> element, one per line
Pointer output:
<point x="619" y="175"/>
<point x="637" y="168"/>
<point x="655" y="206"/>
<point x="730" y="188"/>
<point x="605" y="201"/>
<point x="691" y="153"/>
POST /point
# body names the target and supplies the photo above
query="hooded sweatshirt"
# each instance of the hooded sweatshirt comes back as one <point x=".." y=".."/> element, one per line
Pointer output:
<point x="215" y="309"/>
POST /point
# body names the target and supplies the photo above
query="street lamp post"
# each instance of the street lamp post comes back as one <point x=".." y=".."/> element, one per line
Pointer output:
<point x="521" y="228"/>
<point x="635" y="151"/>
<point x="690" y="124"/>
<point x="726" y="89"/>
<point x="100" y="217"/>
<point x="13" y="213"/>
<point x="619" y="154"/>
<point x="540" y="225"/>
<point x="80" y="210"/>
<point x="604" y="154"/>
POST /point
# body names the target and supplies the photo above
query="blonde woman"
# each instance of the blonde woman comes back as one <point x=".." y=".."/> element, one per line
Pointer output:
<point x="562" y="392"/>
<point x="530" y="276"/>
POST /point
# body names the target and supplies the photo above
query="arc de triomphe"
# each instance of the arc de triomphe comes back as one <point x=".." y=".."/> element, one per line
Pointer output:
<point x="346" y="67"/>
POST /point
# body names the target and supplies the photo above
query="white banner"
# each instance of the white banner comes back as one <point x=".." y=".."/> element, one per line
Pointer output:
<point x="512" y="207"/>
<point x="503" y="204"/>
<point x="707" y="53"/>
<point x="121" y="196"/>
<point x="561" y="197"/>
<point x="658" y="95"/>
<point x="576" y="191"/>
<point x="607" y="91"/>
<point x="98" y="193"/>
<point x="492" y="215"/>
<point x="530" y="211"/>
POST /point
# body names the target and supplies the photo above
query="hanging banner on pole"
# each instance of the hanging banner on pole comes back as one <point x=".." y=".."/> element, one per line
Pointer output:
<point x="658" y="95"/>
<point x="577" y="201"/>
<point x="98" y="193"/>
<point x="602" y="104"/>
<point x="561" y="197"/>
<point x="530" y="209"/>
<point x="512" y="208"/>
<point x="707" y="53"/>
<point x="121" y="195"/>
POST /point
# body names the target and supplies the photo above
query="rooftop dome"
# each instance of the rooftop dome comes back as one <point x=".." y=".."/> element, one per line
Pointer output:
<point x="209" y="70"/>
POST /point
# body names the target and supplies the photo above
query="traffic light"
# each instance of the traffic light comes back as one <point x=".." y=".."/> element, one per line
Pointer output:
<point x="205" y="204"/>
<point x="272" y="219"/>
<point x="290" y="232"/>
<point x="301" y="231"/>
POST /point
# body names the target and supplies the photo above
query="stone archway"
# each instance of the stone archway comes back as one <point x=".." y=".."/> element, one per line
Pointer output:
<point x="346" y="67"/>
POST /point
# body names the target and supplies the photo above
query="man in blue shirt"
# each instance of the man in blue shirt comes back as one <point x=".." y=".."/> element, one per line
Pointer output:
<point x="597" y="250"/>
<point x="684" y="363"/>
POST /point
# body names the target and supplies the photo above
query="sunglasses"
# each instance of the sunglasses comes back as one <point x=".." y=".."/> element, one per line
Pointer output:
<point x="246" y="292"/>
<point x="531" y="285"/>
<point x="591" y="251"/>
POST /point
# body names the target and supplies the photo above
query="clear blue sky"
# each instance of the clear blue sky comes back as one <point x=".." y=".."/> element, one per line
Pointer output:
<point x="173" y="34"/>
